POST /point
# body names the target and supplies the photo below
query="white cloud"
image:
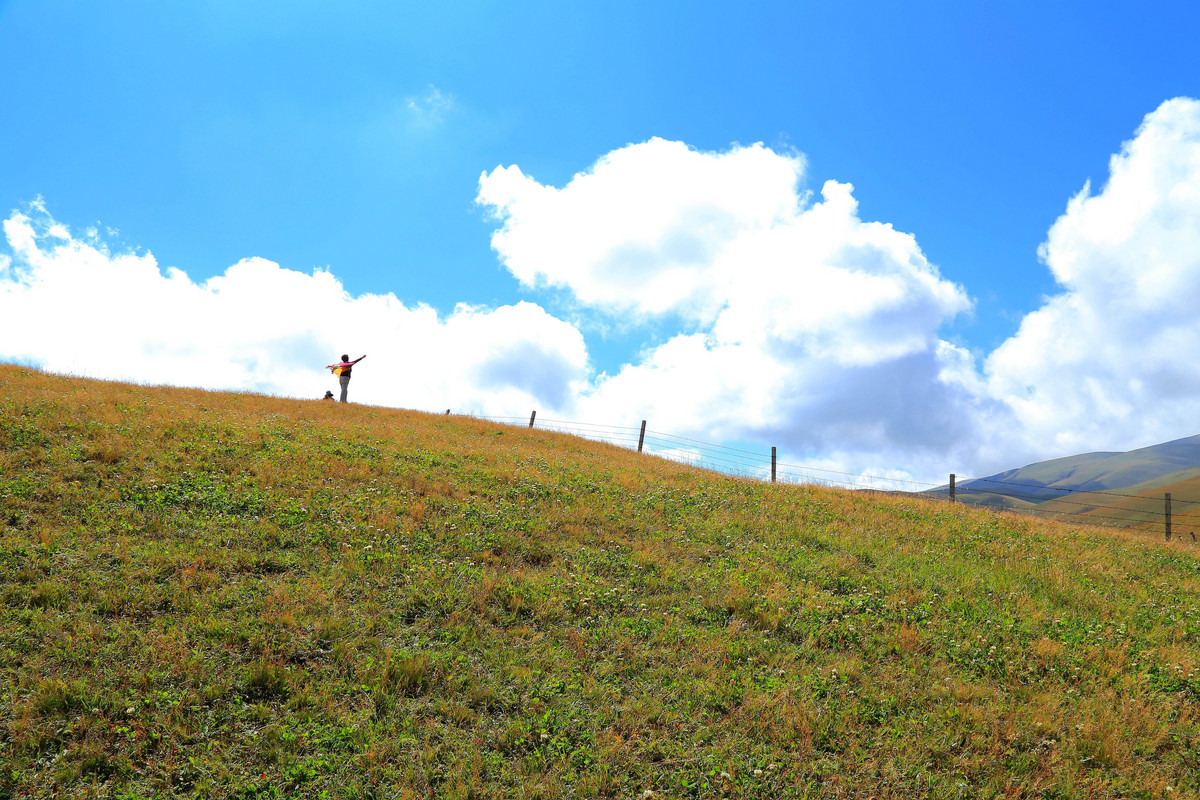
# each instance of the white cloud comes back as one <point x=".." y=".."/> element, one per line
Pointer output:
<point x="1109" y="363"/>
<point x="71" y="305"/>
<point x="640" y="231"/>
<point x="815" y="329"/>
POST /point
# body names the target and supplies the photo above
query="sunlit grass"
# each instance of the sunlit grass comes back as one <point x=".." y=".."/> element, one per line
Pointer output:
<point x="211" y="594"/>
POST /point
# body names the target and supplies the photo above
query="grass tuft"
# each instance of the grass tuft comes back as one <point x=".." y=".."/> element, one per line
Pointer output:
<point x="266" y="682"/>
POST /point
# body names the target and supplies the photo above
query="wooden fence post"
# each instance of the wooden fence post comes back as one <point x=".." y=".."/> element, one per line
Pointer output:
<point x="1167" y="512"/>
<point x="532" y="417"/>
<point x="772" y="465"/>
<point x="642" y="436"/>
<point x="951" y="487"/>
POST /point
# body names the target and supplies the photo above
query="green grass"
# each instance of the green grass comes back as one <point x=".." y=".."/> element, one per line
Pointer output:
<point x="229" y="595"/>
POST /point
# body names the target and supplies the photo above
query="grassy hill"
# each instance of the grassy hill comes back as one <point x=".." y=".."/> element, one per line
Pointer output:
<point x="1114" y="489"/>
<point x="228" y="595"/>
<point x="1103" y="471"/>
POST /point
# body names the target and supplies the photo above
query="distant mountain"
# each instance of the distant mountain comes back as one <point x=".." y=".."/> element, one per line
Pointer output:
<point x="1129" y="486"/>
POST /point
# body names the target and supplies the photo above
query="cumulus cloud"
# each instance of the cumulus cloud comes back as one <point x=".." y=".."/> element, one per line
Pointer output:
<point x="640" y="231"/>
<point x="71" y="305"/>
<point x="1108" y="363"/>
<point x="814" y="329"/>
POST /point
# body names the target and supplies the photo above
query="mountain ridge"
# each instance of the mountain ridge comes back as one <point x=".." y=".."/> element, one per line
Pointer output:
<point x="1091" y="479"/>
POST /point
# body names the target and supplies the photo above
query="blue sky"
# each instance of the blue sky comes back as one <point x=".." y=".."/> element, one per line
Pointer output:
<point x="351" y="138"/>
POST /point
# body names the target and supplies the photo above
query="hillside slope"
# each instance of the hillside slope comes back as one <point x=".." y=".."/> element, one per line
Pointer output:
<point x="1100" y="471"/>
<point x="1122" y="489"/>
<point x="227" y="595"/>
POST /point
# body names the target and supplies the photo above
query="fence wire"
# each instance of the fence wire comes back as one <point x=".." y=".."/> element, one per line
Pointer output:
<point x="757" y="465"/>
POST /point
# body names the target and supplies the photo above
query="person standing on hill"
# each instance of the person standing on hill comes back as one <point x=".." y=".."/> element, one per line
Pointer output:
<point x="342" y="370"/>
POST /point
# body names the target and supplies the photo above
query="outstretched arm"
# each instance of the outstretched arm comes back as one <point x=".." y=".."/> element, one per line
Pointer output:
<point x="360" y="358"/>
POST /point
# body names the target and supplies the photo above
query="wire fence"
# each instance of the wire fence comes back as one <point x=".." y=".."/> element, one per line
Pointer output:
<point x="1091" y="506"/>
